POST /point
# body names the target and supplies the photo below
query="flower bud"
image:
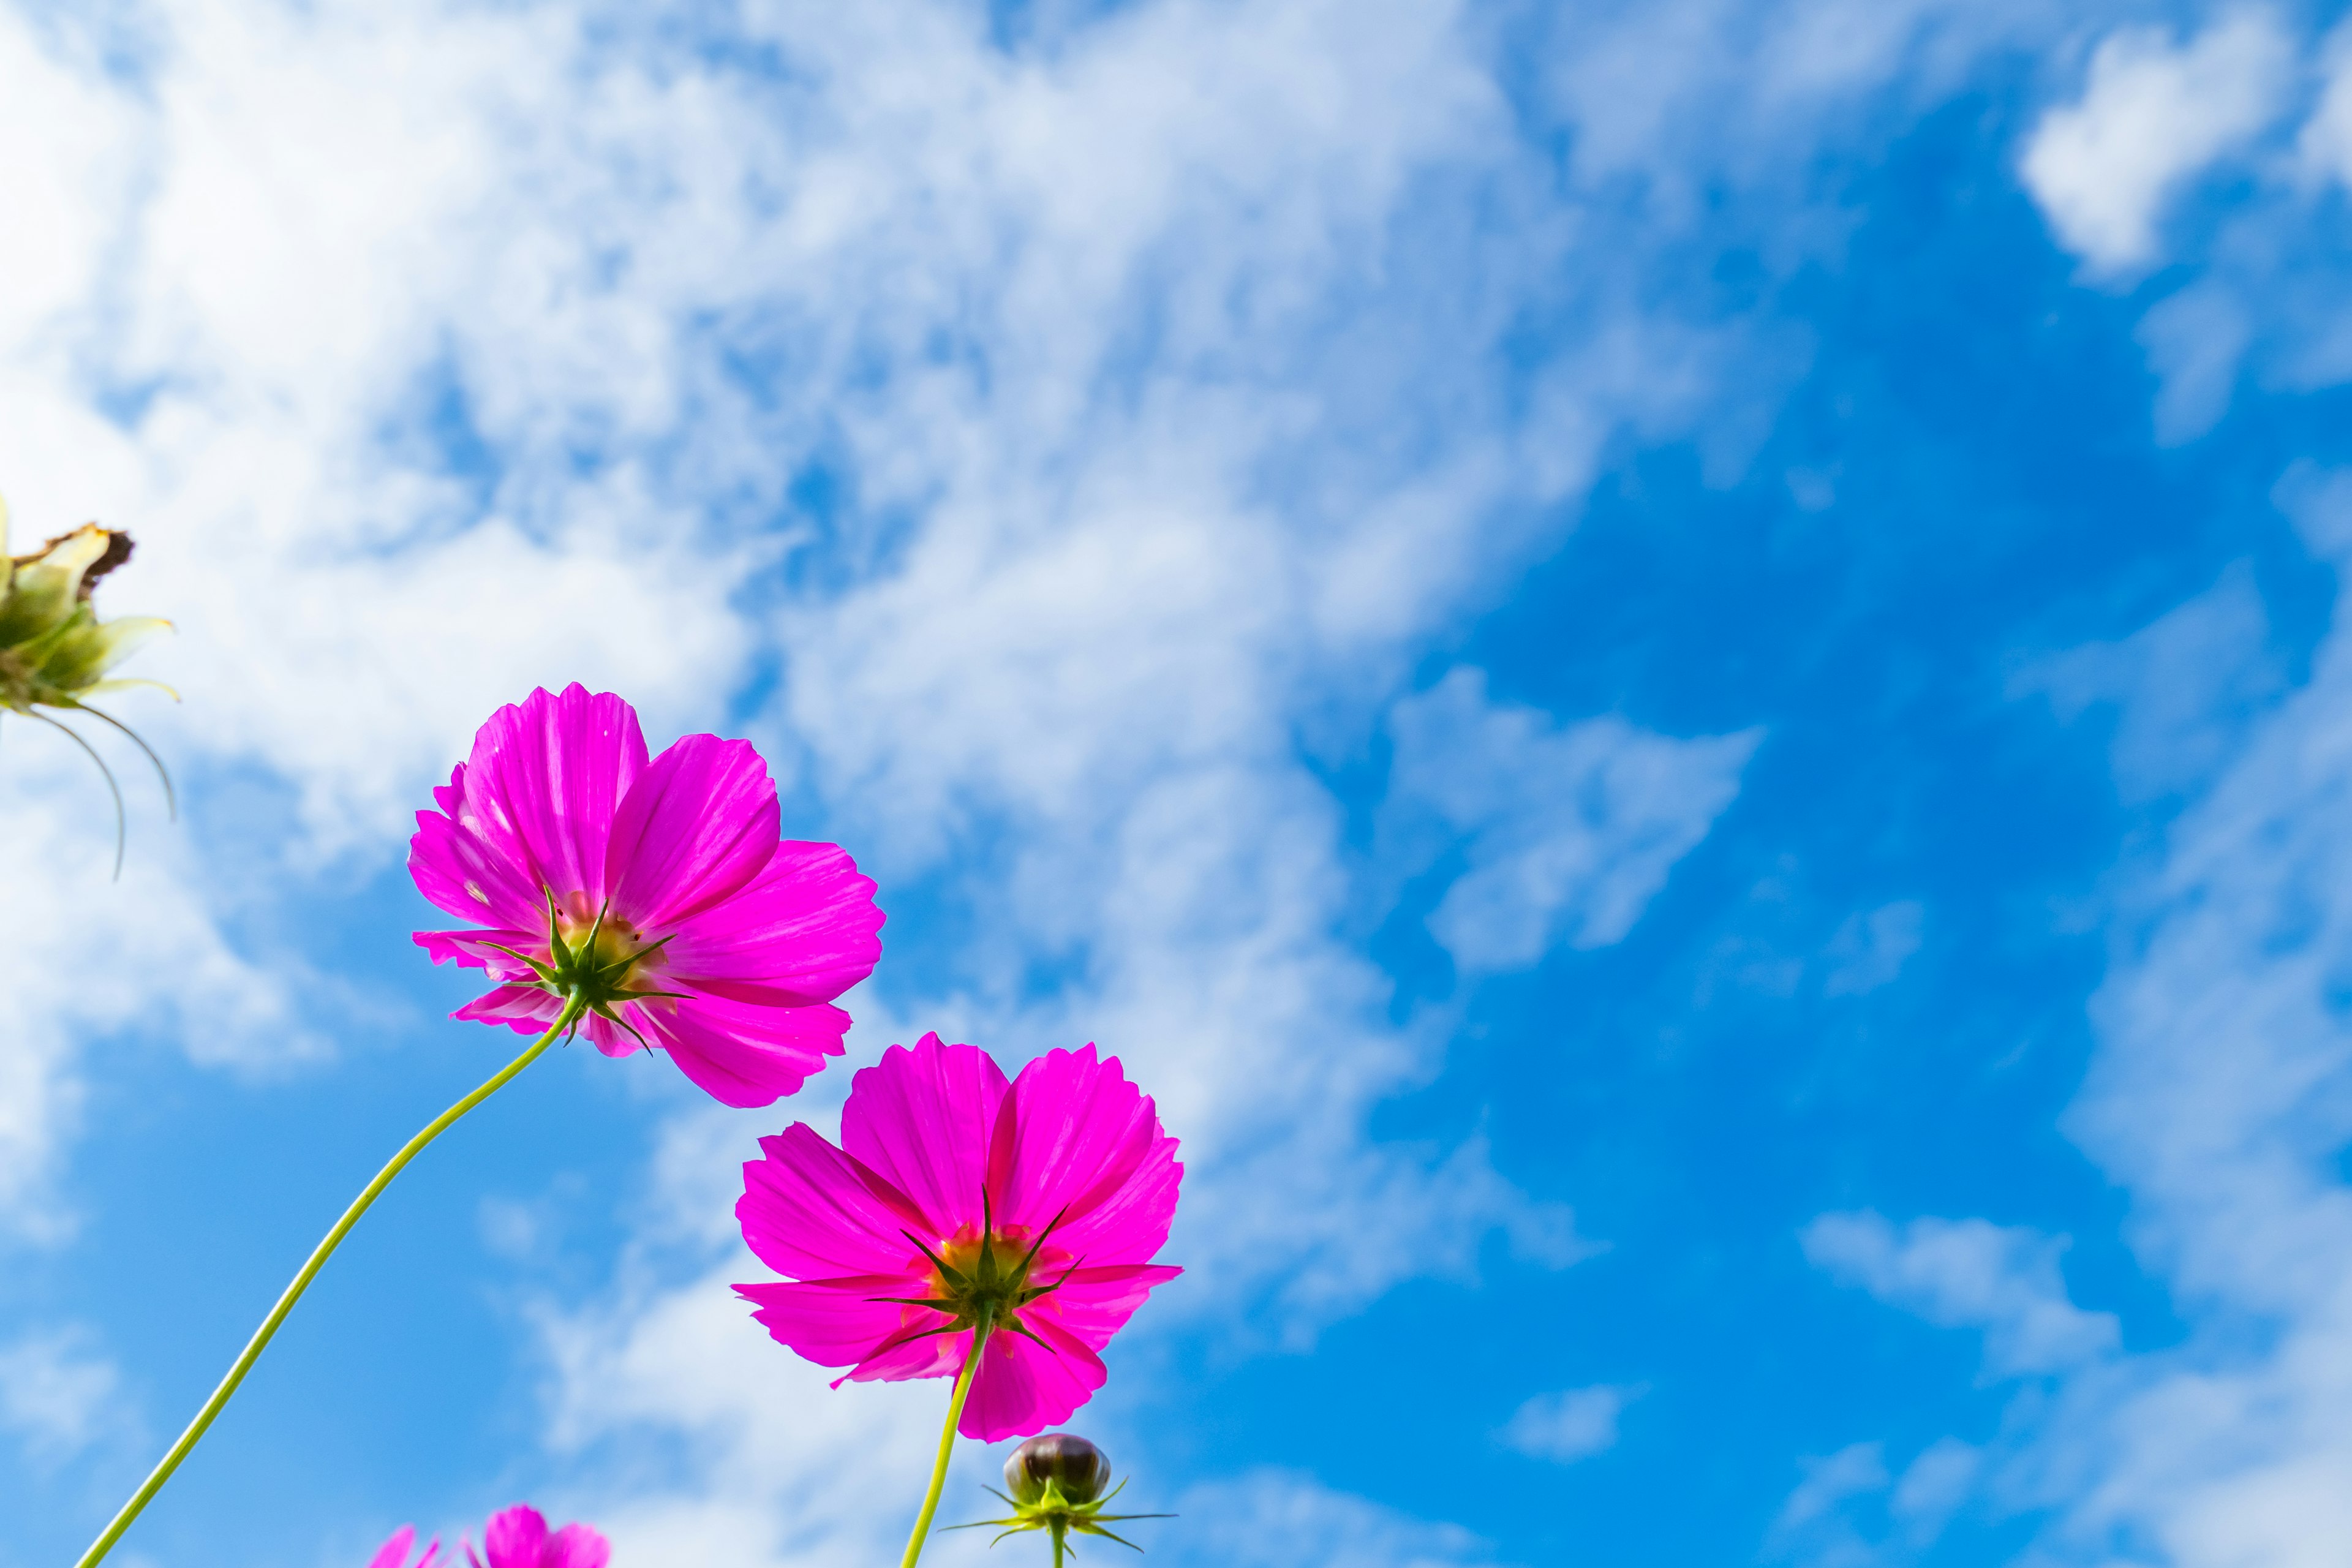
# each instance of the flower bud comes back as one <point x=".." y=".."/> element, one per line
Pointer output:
<point x="1080" y="1469"/>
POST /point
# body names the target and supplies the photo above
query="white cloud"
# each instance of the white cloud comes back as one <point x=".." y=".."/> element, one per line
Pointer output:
<point x="2325" y="142"/>
<point x="2218" y="1100"/>
<point x="1570" y="831"/>
<point x="1571" y="1424"/>
<point x="59" y="1395"/>
<point x="1869" y="949"/>
<point x="1271" y="1517"/>
<point x="2181" y="690"/>
<point x="1969" y="1274"/>
<point x="2195" y="340"/>
<point x="2155" y="113"/>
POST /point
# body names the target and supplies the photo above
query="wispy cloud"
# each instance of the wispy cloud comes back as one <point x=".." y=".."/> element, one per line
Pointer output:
<point x="1571" y="1424"/>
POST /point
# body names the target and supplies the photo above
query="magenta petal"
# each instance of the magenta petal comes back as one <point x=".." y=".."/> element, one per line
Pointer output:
<point x="1023" y="1387"/>
<point x="394" y="1552"/>
<point x="610" y="1038"/>
<point x="1080" y="1142"/>
<point x="514" y="1539"/>
<point x="525" y="1008"/>
<point x="804" y="930"/>
<point x="1094" y="1304"/>
<point x="741" y="1053"/>
<point x="576" y="1546"/>
<point x="921" y="1119"/>
<point x="697" y="825"/>
<point x="836" y="1322"/>
<point x="931" y="1355"/>
<point x="467" y="876"/>
<point x="811" y="1211"/>
<point x="479" y="949"/>
<point x="545" y="779"/>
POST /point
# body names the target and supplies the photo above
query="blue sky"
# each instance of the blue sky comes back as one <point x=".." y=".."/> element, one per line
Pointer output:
<point x="1671" y="672"/>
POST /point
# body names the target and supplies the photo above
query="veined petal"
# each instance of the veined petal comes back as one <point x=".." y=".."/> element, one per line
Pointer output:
<point x="1023" y="1387"/>
<point x="813" y="1211"/>
<point x="465" y="875"/>
<point x="515" y="1538"/>
<point x="697" y="824"/>
<point x="1095" y="1303"/>
<point x="1076" y="1139"/>
<point x="804" y="930"/>
<point x="525" y="1008"/>
<point x="545" y="779"/>
<point x="479" y="949"/>
<point x="911" y="1356"/>
<point x="830" y="1325"/>
<point x="739" y="1053"/>
<point x="576" y="1546"/>
<point x="921" y="1119"/>
<point x="610" y="1038"/>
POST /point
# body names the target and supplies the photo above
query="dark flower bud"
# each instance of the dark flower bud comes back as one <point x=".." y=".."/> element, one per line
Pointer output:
<point x="1080" y="1469"/>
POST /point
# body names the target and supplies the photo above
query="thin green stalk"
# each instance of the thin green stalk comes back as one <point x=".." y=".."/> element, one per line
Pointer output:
<point x="947" y="1439"/>
<point x="293" y="1292"/>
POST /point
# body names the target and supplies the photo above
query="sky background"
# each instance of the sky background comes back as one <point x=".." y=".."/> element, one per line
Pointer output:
<point x="1671" y="670"/>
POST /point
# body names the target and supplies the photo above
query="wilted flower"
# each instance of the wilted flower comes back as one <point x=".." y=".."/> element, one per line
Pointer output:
<point x="394" y="1554"/>
<point x="519" y="1537"/>
<point x="1055" y="1482"/>
<point x="55" y="652"/>
<point x="653" y="893"/>
<point x="959" y="1206"/>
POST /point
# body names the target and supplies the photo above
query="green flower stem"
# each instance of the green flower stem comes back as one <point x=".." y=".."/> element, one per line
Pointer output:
<point x="293" y="1292"/>
<point x="947" y="1439"/>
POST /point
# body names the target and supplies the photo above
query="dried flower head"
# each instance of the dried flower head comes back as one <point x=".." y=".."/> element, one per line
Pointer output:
<point x="55" y="652"/>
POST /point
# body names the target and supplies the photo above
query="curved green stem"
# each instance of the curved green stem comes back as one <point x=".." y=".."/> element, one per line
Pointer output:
<point x="947" y="1440"/>
<point x="293" y="1292"/>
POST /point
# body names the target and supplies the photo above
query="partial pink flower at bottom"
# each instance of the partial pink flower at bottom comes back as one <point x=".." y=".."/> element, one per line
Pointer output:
<point x="955" y="1196"/>
<point x="519" y="1538"/>
<point x="394" y="1554"/>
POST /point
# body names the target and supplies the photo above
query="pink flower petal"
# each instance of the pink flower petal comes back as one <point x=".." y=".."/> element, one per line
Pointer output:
<point x="804" y="930"/>
<point x="697" y="825"/>
<point x="837" y="1322"/>
<point x="1024" y="1387"/>
<point x="394" y="1554"/>
<point x="1094" y="1304"/>
<point x="524" y="1008"/>
<point x="515" y="1538"/>
<point x="910" y="1355"/>
<point x="479" y="949"/>
<point x="576" y="1546"/>
<point x="1082" y="1142"/>
<point x="739" y="1053"/>
<point x="921" y="1120"/>
<point x="465" y="877"/>
<point x="810" y="1211"/>
<point x="545" y="779"/>
<point x="610" y="1038"/>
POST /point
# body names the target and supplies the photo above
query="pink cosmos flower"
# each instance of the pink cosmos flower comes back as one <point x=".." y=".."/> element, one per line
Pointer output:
<point x="519" y="1538"/>
<point x="954" y="1195"/>
<point x="653" y="891"/>
<point x="394" y="1554"/>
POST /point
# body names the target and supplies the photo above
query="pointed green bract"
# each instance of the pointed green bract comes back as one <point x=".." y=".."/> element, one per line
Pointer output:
<point x="1057" y="1480"/>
